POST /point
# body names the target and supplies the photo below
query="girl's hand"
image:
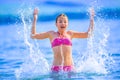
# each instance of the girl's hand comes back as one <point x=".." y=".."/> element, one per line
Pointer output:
<point x="35" y="13"/>
<point x="92" y="13"/>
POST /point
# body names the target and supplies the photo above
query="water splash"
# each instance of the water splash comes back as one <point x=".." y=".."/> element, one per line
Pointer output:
<point x="96" y="58"/>
<point x="32" y="65"/>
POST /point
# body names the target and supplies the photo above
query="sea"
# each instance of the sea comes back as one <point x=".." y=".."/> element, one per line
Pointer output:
<point x="95" y="58"/>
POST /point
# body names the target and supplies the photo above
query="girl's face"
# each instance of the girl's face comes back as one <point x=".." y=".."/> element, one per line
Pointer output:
<point x="62" y="23"/>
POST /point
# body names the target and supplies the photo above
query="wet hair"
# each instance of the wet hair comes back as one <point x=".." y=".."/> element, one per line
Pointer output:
<point x="64" y="15"/>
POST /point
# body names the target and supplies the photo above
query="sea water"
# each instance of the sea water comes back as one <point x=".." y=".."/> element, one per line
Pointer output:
<point x="24" y="58"/>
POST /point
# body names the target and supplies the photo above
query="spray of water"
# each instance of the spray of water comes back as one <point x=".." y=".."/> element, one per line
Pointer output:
<point x="35" y="64"/>
<point x="96" y="55"/>
<point x="96" y="58"/>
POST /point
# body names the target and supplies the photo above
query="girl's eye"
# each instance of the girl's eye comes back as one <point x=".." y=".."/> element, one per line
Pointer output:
<point x="61" y="21"/>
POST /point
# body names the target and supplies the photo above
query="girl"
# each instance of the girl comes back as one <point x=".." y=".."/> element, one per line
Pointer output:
<point x="61" y="40"/>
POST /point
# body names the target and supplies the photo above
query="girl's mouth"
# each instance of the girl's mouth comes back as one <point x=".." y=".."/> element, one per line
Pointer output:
<point x="62" y="27"/>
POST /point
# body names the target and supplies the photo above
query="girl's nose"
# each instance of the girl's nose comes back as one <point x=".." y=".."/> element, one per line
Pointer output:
<point x="63" y="23"/>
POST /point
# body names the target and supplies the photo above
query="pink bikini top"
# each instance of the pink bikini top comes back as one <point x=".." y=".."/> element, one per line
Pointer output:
<point x="61" y="41"/>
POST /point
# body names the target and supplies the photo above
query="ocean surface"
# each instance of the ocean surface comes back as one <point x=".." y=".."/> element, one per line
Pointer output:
<point x="95" y="58"/>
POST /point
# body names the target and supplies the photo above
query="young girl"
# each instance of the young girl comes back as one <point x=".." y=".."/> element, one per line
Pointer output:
<point x="61" y="40"/>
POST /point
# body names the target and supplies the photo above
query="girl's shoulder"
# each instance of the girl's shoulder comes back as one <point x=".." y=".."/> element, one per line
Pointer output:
<point x="52" y="33"/>
<point x="70" y="32"/>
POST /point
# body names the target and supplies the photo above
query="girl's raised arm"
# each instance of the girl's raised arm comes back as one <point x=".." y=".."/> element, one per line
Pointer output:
<point x="35" y="15"/>
<point x="35" y="35"/>
<point x="91" y="26"/>
<point x="90" y="29"/>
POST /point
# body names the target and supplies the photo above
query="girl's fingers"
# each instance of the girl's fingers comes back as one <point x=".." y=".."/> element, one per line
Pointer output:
<point x="92" y="13"/>
<point x="35" y="11"/>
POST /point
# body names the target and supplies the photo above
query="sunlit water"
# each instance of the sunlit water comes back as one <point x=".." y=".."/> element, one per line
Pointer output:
<point x="24" y="58"/>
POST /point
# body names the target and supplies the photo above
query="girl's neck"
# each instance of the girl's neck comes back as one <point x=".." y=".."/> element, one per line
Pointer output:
<point x="62" y="33"/>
